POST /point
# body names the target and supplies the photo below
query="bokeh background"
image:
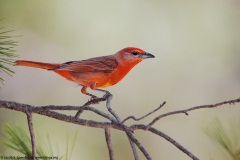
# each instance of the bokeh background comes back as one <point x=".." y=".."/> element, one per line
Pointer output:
<point x="197" y="49"/>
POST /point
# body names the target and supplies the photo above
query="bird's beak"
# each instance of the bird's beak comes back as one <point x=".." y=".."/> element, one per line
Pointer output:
<point x="147" y="55"/>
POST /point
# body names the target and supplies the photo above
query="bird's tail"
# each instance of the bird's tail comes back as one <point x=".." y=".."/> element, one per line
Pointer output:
<point x="37" y="64"/>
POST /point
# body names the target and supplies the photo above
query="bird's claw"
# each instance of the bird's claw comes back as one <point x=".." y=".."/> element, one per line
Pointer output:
<point x="93" y="98"/>
<point x="96" y="100"/>
<point x="107" y="95"/>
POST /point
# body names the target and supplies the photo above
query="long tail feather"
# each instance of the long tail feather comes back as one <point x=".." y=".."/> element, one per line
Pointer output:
<point x="36" y="64"/>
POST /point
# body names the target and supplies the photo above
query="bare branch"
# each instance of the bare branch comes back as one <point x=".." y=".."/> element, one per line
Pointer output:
<point x="166" y="137"/>
<point x="109" y="143"/>
<point x="112" y="121"/>
<point x="175" y="143"/>
<point x="109" y="97"/>
<point x="133" y="149"/>
<point x="78" y="114"/>
<point x="133" y="139"/>
<point x="80" y="108"/>
<point x="62" y="117"/>
<point x="93" y="101"/>
<point x="185" y="111"/>
<point x="138" y="119"/>
<point x="30" y="126"/>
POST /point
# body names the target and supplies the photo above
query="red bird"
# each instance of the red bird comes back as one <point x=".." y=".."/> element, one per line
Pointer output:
<point x="98" y="72"/>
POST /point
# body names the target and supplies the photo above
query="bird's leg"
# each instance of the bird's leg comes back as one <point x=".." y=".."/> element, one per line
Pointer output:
<point x="94" y="99"/>
<point x="84" y="91"/>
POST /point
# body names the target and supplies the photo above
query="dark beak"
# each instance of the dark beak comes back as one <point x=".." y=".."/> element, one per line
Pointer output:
<point x="147" y="55"/>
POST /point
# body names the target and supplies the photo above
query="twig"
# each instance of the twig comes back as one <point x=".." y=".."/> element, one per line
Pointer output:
<point x="109" y="97"/>
<point x="193" y="108"/>
<point x="166" y="137"/>
<point x="25" y="107"/>
<point x="175" y="143"/>
<point x="81" y="109"/>
<point x="78" y="114"/>
<point x="144" y="116"/>
<point x="93" y="101"/>
<point x="30" y="126"/>
<point x="109" y="143"/>
<point x="133" y="149"/>
<point x="133" y="139"/>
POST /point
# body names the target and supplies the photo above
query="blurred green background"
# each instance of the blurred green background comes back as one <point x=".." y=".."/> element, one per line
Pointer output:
<point x="197" y="49"/>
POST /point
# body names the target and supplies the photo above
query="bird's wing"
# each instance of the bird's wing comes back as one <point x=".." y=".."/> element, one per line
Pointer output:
<point x="105" y="64"/>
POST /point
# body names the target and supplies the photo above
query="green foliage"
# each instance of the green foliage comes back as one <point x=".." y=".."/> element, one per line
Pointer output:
<point x="229" y="140"/>
<point x="16" y="138"/>
<point x="6" y="52"/>
<point x="68" y="156"/>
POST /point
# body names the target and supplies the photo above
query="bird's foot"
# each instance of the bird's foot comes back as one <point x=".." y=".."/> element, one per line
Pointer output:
<point x="94" y="100"/>
<point x="108" y="94"/>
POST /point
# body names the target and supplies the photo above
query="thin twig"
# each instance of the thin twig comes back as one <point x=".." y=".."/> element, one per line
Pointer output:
<point x="135" y="154"/>
<point x="185" y="111"/>
<point x="109" y="97"/>
<point x="175" y="143"/>
<point x="144" y="116"/>
<point x="166" y="137"/>
<point x="81" y="108"/>
<point x="30" y="126"/>
<point x="93" y="101"/>
<point x="109" y="143"/>
<point x="78" y="114"/>
<point x="139" y="145"/>
<point x="193" y="108"/>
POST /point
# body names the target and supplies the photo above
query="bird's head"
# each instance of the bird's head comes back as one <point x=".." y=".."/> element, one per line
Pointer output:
<point x="132" y="55"/>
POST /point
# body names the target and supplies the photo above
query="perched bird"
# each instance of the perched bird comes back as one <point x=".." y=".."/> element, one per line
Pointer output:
<point x="98" y="72"/>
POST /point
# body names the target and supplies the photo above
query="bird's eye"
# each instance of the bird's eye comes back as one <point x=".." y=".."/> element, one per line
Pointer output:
<point x="135" y="53"/>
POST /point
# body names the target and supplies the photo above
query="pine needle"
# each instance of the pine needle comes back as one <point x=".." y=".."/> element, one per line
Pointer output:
<point x="7" y="52"/>
<point x="16" y="138"/>
<point x="227" y="138"/>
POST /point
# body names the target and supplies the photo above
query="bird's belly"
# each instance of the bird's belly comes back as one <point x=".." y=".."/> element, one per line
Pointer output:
<point x="100" y="79"/>
<point x="87" y="79"/>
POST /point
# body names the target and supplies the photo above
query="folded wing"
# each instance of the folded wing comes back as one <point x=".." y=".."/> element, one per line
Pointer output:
<point x="105" y="64"/>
